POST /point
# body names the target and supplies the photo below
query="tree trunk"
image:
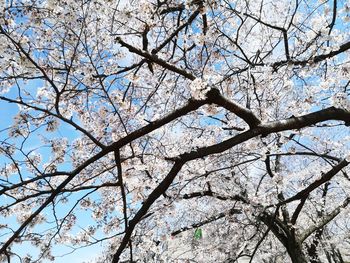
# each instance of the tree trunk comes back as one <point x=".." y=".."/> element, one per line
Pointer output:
<point x="285" y="236"/>
<point x="295" y="252"/>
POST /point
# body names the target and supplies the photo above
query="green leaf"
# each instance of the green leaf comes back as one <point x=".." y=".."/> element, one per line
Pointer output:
<point x="198" y="234"/>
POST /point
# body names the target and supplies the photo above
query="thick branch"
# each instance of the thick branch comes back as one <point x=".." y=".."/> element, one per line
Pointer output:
<point x="298" y="210"/>
<point x="247" y="115"/>
<point x="325" y="178"/>
<point x="215" y="195"/>
<point x="270" y="127"/>
<point x="156" y="193"/>
<point x="344" y="47"/>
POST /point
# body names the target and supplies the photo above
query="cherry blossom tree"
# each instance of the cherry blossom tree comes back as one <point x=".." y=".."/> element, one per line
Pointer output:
<point x="175" y="131"/>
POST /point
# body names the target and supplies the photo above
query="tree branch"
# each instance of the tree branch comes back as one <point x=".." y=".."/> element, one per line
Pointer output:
<point x="325" y="220"/>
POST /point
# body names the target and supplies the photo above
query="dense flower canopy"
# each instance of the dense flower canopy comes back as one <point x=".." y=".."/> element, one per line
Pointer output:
<point x="175" y="131"/>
